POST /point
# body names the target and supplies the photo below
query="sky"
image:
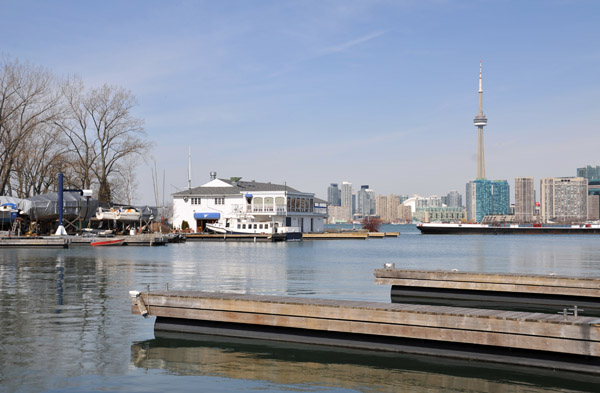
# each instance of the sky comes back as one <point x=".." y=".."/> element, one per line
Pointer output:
<point x="379" y="92"/>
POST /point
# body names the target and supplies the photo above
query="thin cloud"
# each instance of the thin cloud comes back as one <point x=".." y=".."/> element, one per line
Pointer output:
<point x="328" y="51"/>
<point x="350" y="44"/>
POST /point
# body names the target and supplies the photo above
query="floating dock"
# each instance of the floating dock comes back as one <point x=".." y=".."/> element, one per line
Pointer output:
<point x="34" y="242"/>
<point x="336" y="236"/>
<point x="537" y="339"/>
<point x="348" y="235"/>
<point x="532" y="292"/>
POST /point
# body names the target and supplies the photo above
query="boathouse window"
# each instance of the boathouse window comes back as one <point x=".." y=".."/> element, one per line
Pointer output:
<point x="243" y="226"/>
<point x="219" y="201"/>
<point x="257" y="204"/>
<point x="268" y="204"/>
<point x="238" y="226"/>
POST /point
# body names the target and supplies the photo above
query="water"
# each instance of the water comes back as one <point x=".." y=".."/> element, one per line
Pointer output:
<point x="66" y="321"/>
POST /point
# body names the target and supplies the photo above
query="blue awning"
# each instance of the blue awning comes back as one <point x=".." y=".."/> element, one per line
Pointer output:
<point x="207" y="216"/>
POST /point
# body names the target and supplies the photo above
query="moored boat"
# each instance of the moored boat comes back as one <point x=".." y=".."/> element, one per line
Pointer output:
<point x="107" y="242"/>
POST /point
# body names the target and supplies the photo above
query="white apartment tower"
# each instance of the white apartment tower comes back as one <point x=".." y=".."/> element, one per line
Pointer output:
<point x="347" y="196"/>
<point x="563" y="199"/>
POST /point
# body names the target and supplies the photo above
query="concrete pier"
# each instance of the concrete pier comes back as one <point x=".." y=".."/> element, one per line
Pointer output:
<point x="538" y="339"/>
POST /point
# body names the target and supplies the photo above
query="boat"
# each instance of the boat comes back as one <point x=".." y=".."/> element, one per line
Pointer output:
<point x="107" y="242"/>
<point x="128" y="214"/>
<point x="508" y="229"/>
<point x="106" y="214"/>
<point x="118" y="214"/>
<point x="249" y="226"/>
<point x="8" y="212"/>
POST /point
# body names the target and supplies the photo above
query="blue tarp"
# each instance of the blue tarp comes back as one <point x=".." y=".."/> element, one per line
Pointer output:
<point x="207" y="216"/>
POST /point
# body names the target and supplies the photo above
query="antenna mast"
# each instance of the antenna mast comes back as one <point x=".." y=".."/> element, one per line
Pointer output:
<point x="189" y="168"/>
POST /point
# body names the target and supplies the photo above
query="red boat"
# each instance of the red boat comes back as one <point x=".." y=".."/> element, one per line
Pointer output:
<point x="111" y="242"/>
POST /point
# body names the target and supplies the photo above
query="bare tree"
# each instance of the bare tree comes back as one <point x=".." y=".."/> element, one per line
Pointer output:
<point x="102" y="132"/>
<point x="124" y="182"/>
<point x="40" y="162"/>
<point x="27" y="103"/>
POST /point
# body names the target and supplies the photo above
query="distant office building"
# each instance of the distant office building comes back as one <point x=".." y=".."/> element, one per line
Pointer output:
<point x="589" y="172"/>
<point x="453" y="199"/>
<point x="487" y="197"/>
<point x="389" y="208"/>
<point x="593" y="212"/>
<point x="440" y="214"/>
<point x="363" y="204"/>
<point x="338" y="214"/>
<point x="563" y="199"/>
<point x="524" y="199"/>
<point x="346" y="194"/>
<point x="431" y="201"/>
<point x="593" y="199"/>
<point x="334" y="195"/>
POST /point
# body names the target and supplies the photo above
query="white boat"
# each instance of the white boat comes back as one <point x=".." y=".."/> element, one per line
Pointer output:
<point x="128" y="214"/>
<point x="104" y="214"/>
<point x="118" y="214"/>
<point x="248" y="226"/>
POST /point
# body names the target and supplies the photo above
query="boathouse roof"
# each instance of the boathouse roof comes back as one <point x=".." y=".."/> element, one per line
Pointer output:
<point x="232" y="187"/>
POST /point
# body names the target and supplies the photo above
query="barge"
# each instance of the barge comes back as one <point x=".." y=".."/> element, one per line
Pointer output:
<point x="511" y="229"/>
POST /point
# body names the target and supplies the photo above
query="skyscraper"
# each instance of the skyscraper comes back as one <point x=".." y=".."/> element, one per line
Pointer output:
<point x="347" y="197"/>
<point x="589" y="172"/>
<point x="334" y="196"/>
<point x="480" y="121"/>
<point x="524" y="199"/>
<point x="366" y="201"/>
<point x="486" y="197"/>
<point x="454" y="199"/>
<point x="563" y="199"/>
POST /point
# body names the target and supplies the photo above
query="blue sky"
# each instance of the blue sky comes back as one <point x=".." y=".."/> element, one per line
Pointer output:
<point x="313" y="92"/>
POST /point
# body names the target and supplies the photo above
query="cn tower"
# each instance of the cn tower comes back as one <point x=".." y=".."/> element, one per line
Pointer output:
<point x="480" y="121"/>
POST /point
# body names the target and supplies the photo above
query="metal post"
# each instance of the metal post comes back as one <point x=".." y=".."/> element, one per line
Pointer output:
<point x="60" y="231"/>
<point x="60" y="199"/>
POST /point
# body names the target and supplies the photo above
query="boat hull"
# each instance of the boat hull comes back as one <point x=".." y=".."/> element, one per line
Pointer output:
<point x="505" y="230"/>
<point x="106" y="243"/>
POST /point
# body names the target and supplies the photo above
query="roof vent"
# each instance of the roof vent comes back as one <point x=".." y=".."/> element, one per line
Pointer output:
<point x="213" y="175"/>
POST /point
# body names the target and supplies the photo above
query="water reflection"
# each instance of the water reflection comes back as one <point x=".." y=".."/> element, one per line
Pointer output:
<point x="314" y="366"/>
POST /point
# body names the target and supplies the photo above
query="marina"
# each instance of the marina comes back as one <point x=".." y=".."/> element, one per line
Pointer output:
<point x="78" y="308"/>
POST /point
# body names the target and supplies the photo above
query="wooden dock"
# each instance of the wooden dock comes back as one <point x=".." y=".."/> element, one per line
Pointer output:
<point x="34" y="242"/>
<point x="548" y="293"/>
<point x="543" y="340"/>
<point x="336" y="236"/>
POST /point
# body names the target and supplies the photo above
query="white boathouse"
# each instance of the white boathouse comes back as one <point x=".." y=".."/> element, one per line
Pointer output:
<point x="267" y="206"/>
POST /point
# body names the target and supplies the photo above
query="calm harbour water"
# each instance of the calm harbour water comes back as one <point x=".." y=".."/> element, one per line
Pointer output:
<point x="67" y="326"/>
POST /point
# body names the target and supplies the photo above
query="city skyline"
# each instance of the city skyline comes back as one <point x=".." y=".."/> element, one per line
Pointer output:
<point x="374" y="93"/>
